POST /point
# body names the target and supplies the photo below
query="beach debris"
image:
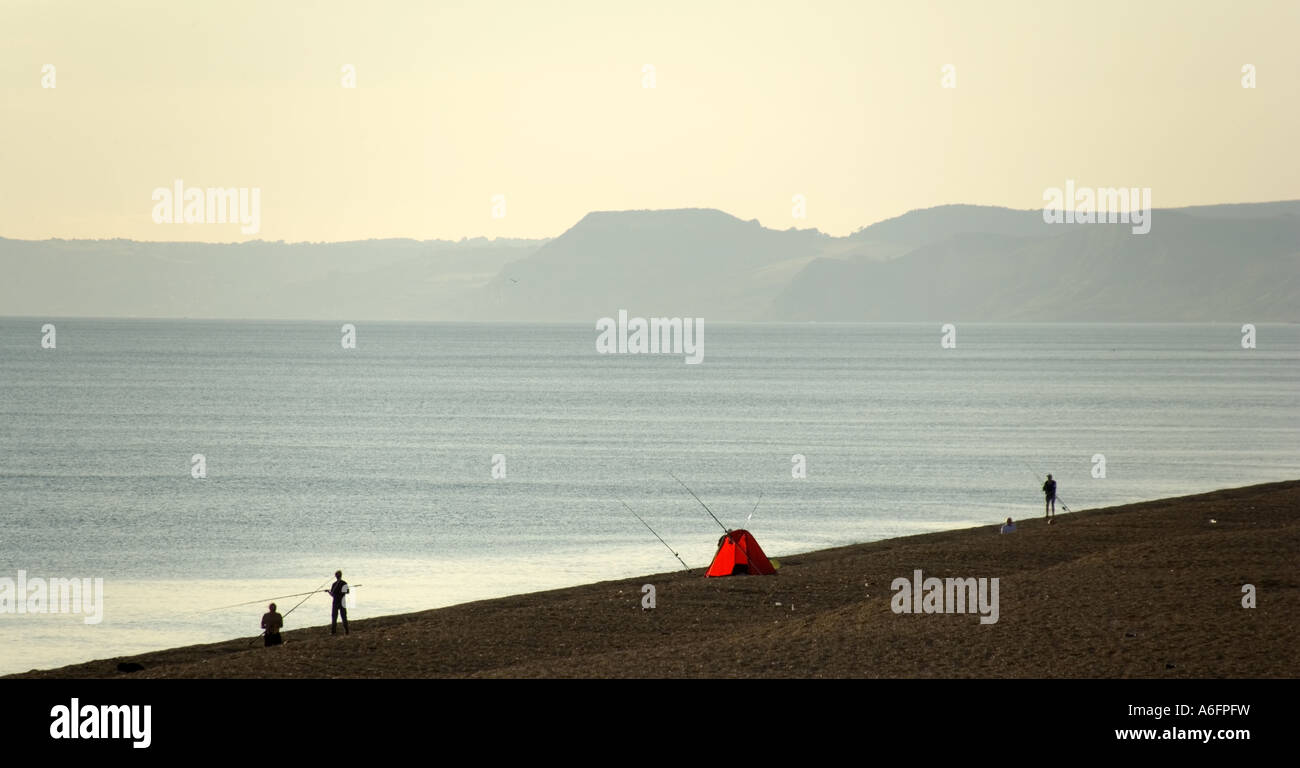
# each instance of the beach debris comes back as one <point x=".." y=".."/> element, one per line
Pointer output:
<point x="1213" y="521"/>
<point x="1130" y="634"/>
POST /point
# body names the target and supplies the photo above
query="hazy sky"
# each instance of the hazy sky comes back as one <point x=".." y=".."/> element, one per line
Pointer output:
<point x="543" y="102"/>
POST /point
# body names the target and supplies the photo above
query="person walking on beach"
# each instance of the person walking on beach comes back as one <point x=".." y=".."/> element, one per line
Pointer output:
<point x="1009" y="527"/>
<point x="272" y="622"/>
<point x="338" y="590"/>
<point x="1049" y="491"/>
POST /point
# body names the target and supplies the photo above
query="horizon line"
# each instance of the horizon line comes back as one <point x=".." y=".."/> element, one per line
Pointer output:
<point x="465" y="239"/>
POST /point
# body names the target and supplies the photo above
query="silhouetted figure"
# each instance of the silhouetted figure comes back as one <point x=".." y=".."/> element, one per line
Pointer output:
<point x="272" y="622"/>
<point x="1008" y="527"/>
<point x="338" y="591"/>
<point x="1049" y="491"/>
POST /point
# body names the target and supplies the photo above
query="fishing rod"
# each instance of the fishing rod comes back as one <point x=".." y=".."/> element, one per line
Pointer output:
<point x="755" y="509"/>
<point x="252" y="602"/>
<point x="702" y="504"/>
<point x="1040" y="477"/>
<point x="269" y="599"/>
<point x="657" y="536"/>
<point x="305" y="599"/>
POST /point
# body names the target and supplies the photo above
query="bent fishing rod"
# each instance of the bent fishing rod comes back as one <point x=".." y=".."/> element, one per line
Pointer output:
<point x="1040" y="478"/>
<point x="657" y="536"/>
<point x="702" y="504"/>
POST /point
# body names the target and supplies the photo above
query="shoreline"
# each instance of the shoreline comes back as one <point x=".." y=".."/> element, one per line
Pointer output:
<point x="1148" y="589"/>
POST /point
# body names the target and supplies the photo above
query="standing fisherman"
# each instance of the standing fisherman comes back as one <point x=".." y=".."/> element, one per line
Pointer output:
<point x="1049" y="491"/>
<point x="338" y="590"/>
<point x="272" y="622"/>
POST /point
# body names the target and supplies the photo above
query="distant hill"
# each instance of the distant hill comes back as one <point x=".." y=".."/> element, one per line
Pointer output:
<point x="693" y="262"/>
<point x="368" y="279"/>
<point x="1228" y="263"/>
<point x="1236" y="263"/>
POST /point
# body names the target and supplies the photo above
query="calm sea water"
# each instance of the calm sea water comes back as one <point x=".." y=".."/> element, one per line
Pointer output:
<point x="378" y="460"/>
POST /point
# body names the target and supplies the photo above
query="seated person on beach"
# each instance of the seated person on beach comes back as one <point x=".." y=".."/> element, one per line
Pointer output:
<point x="1009" y="527"/>
<point x="272" y="622"/>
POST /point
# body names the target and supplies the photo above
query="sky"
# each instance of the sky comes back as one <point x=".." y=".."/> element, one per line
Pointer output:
<point x="514" y="119"/>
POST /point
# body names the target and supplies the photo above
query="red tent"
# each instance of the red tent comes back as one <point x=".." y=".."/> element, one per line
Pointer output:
<point x="738" y="552"/>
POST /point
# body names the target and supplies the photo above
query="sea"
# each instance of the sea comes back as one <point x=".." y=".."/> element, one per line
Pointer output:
<point x="202" y="468"/>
